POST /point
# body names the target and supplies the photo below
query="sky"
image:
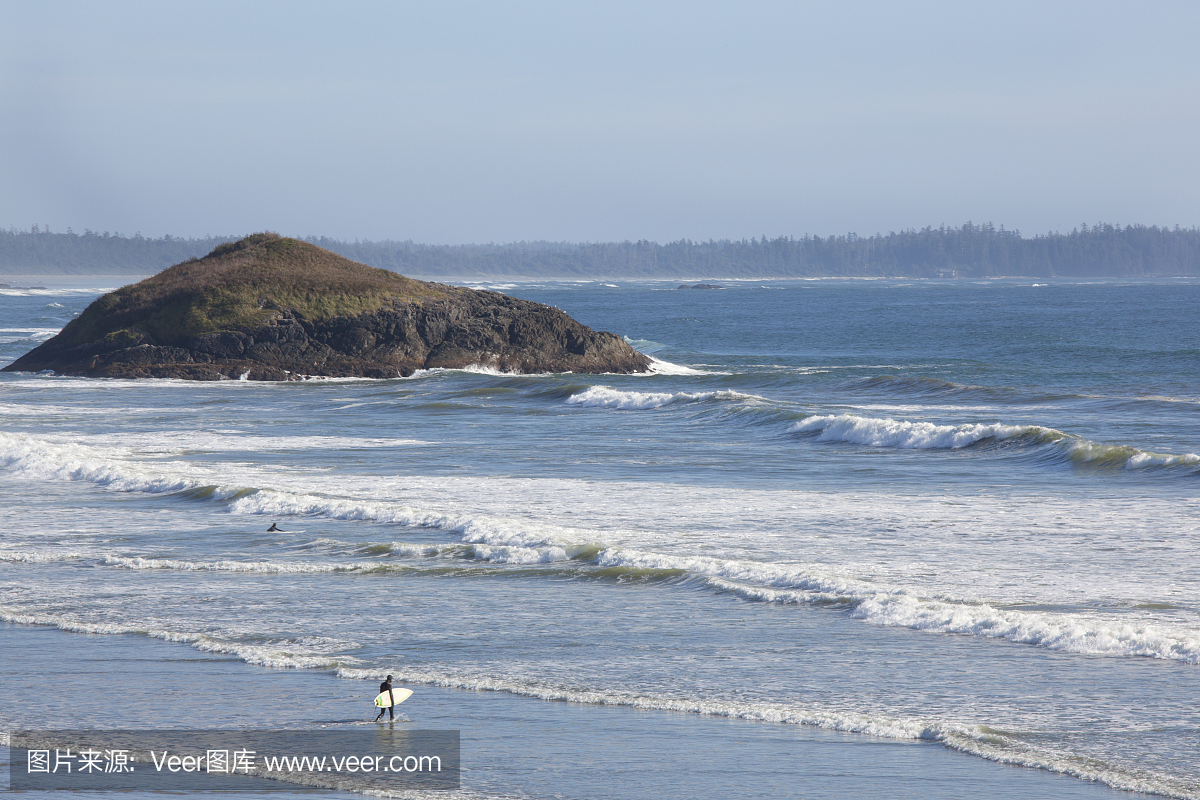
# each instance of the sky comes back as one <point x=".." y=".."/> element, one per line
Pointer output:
<point x="457" y="122"/>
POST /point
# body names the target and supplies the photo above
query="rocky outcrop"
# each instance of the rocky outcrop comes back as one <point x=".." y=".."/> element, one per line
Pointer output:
<point x="424" y="325"/>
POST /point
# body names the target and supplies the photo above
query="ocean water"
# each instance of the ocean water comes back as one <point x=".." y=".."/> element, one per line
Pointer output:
<point x="947" y="527"/>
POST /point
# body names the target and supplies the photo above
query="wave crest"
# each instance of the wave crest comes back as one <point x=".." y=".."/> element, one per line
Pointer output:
<point x="607" y="397"/>
<point x="911" y="435"/>
<point x="513" y="541"/>
<point x="905" y="434"/>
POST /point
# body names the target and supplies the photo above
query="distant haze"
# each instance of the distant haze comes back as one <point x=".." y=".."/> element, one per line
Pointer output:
<point x="969" y="251"/>
<point x="499" y="122"/>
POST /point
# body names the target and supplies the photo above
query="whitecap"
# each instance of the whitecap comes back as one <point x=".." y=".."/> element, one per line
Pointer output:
<point x="523" y="541"/>
<point x="607" y="397"/>
<point x="904" y="434"/>
<point x="660" y="367"/>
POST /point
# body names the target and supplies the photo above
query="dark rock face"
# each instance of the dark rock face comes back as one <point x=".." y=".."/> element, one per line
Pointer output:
<point x="466" y="328"/>
<point x="701" y="286"/>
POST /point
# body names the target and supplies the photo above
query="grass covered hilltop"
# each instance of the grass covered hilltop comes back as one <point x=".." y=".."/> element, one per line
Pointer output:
<point x="272" y="308"/>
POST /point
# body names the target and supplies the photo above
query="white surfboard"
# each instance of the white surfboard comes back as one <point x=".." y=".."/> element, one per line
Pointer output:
<point x="393" y="697"/>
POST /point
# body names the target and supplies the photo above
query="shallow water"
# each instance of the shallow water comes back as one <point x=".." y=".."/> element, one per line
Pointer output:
<point x="514" y="747"/>
<point x="954" y="514"/>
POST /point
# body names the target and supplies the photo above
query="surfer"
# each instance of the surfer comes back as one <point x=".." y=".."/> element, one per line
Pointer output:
<point x="386" y="686"/>
<point x="274" y="528"/>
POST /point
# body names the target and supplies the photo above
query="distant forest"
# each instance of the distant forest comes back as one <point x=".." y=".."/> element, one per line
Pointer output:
<point x="973" y="251"/>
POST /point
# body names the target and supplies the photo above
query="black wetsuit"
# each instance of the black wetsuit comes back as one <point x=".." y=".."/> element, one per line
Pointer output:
<point x="386" y="686"/>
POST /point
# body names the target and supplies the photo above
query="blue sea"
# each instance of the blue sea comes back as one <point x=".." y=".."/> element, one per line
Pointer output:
<point x="851" y="538"/>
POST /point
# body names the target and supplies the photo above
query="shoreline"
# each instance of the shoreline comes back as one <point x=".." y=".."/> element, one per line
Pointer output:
<point x="511" y="744"/>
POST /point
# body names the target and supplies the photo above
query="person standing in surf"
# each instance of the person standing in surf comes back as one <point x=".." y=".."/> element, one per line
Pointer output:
<point x="386" y="686"/>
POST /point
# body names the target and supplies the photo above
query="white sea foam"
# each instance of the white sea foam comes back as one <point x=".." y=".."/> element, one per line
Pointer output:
<point x="519" y="555"/>
<point x="137" y="562"/>
<point x="501" y="554"/>
<point x="294" y="654"/>
<point x="606" y="397"/>
<point x="815" y="583"/>
<point x="888" y="432"/>
<point x="898" y="607"/>
<point x="901" y="433"/>
<point x="160" y="443"/>
<point x="422" y="550"/>
<point x="68" y="623"/>
<point x="1165" y="399"/>
<point x="657" y="367"/>
<point x="660" y="367"/>
<point x="791" y="583"/>
<point x="1073" y="634"/>
<point x="32" y="458"/>
<point x="495" y="539"/>
<point x="43" y="556"/>
<point x="44" y="410"/>
<point x="481" y="369"/>
<point x="11" y="335"/>
<point x="297" y="653"/>
<point x="1143" y="459"/>
<point x="47" y="332"/>
<point x="763" y="712"/>
<point x="404" y="550"/>
<point x="973" y="739"/>
<point x="473" y="369"/>
<point x="502" y="539"/>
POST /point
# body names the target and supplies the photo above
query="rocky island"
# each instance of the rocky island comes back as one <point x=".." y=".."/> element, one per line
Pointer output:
<point x="272" y="308"/>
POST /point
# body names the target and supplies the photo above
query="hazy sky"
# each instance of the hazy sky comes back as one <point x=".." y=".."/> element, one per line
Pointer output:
<point x="475" y="122"/>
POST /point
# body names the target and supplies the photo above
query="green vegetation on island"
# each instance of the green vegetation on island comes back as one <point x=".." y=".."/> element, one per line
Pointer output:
<point x="242" y="285"/>
<point x="271" y="308"/>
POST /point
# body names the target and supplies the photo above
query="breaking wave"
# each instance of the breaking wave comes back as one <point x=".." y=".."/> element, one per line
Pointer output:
<point x="606" y="397"/>
<point x="306" y="652"/>
<point x="755" y="581"/>
<point x="660" y="367"/>
<point x="904" y="434"/>
<point x="887" y="432"/>
<point x="325" y="654"/>
<point x="509" y="541"/>
<point x="977" y="740"/>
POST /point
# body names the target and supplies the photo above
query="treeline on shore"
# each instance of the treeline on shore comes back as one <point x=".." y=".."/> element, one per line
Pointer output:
<point x="1101" y="250"/>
